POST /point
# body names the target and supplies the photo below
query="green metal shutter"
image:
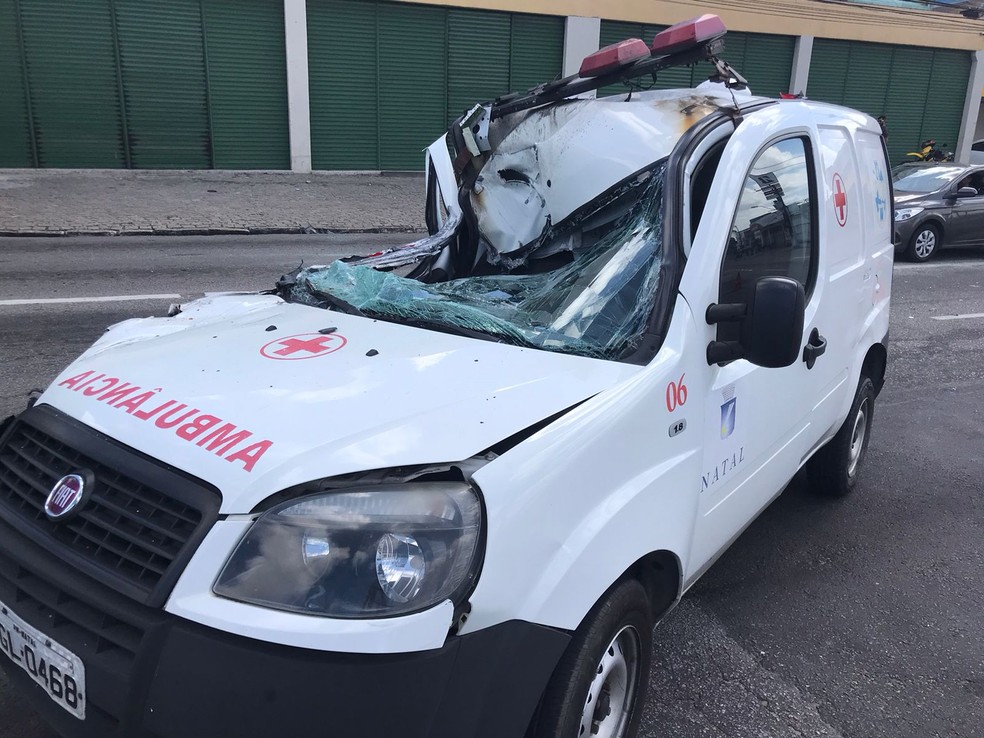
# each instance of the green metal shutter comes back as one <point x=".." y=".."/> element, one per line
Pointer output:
<point x="412" y="82"/>
<point x="15" y="137"/>
<point x="162" y="58"/>
<point x="828" y="70"/>
<point x="247" y="83"/>
<point x="767" y="62"/>
<point x="343" y="71"/>
<point x="908" y="86"/>
<point x="74" y="91"/>
<point x="492" y="53"/>
<point x="948" y="88"/>
<point x="536" y="50"/>
<point x="867" y="83"/>
<point x="920" y="90"/>
<point x="478" y="58"/>
<point x="614" y="31"/>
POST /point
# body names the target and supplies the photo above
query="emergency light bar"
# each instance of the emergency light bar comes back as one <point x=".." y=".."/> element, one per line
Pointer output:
<point x="688" y="34"/>
<point x="612" y="57"/>
<point x="686" y="43"/>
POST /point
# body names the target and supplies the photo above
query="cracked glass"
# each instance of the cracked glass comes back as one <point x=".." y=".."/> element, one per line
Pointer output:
<point x="597" y="303"/>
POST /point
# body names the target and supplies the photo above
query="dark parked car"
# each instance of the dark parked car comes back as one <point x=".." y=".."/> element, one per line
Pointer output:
<point x="937" y="204"/>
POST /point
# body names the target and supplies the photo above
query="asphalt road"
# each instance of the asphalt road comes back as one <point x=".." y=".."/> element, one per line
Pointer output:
<point x="855" y="619"/>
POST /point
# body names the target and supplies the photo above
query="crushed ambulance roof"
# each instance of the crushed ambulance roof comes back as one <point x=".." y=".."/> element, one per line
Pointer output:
<point x="560" y="156"/>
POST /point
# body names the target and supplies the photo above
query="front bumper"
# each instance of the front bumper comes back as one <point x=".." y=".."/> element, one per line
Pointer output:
<point x="154" y="675"/>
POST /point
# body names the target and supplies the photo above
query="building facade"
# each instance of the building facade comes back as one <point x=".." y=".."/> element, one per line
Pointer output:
<point x="366" y="84"/>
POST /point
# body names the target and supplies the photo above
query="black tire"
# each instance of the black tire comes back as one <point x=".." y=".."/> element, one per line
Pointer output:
<point x="615" y="639"/>
<point x="925" y="243"/>
<point x="834" y="469"/>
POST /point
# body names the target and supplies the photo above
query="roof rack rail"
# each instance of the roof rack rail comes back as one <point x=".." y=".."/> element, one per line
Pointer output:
<point x="684" y="44"/>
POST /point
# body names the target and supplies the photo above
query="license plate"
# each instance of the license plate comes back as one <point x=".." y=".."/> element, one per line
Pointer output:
<point x="58" y="671"/>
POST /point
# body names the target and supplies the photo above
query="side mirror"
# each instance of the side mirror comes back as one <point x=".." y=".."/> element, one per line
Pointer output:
<point x="771" y="325"/>
<point x="773" y="330"/>
<point x="966" y="192"/>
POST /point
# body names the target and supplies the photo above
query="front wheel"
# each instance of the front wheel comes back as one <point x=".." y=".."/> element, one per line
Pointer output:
<point x="834" y="469"/>
<point x="925" y="242"/>
<point x="598" y="687"/>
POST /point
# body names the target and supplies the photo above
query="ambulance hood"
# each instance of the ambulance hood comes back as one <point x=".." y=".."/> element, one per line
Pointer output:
<point x="255" y="395"/>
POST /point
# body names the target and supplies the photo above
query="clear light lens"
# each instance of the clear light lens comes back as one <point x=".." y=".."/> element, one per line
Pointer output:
<point x="906" y="213"/>
<point x="364" y="553"/>
<point x="317" y="553"/>
<point x="400" y="566"/>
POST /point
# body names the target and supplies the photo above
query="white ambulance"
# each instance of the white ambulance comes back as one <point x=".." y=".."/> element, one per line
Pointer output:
<point x="449" y="490"/>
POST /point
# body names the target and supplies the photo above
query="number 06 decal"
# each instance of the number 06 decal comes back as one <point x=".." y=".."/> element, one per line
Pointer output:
<point x="676" y="394"/>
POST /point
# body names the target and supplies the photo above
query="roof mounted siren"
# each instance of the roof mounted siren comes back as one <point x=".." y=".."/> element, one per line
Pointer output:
<point x="683" y="44"/>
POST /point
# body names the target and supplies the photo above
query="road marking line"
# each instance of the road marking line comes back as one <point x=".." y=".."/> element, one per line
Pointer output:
<point x="964" y="264"/>
<point x="958" y="317"/>
<point x="109" y="298"/>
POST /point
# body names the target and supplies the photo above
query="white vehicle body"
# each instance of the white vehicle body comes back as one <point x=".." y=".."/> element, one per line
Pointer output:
<point x="610" y="465"/>
<point x="977" y="152"/>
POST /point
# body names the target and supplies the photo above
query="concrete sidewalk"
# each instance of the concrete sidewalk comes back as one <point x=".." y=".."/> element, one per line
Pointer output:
<point x="50" y="202"/>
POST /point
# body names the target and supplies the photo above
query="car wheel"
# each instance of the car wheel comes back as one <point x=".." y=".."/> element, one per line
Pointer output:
<point x="925" y="242"/>
<point x="598" y="686"/>
<point x="835" y="468"/>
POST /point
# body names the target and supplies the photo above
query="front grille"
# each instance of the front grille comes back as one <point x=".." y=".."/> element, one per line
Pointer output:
<point x="66" y="618"/>
<point x="110" y="633"/>
<point x="138" y="527"/>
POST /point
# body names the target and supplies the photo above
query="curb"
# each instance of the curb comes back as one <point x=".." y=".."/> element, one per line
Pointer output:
<point x="259" y="231"/>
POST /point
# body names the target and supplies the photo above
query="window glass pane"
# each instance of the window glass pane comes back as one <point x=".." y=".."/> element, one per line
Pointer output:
<point x="772" y="231"/>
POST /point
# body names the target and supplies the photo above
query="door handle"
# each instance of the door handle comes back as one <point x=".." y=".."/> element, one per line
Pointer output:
<point x="814" y="348"/>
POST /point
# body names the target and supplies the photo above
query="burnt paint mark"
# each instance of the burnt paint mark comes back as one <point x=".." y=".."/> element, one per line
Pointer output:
<point x="692" y="108"/>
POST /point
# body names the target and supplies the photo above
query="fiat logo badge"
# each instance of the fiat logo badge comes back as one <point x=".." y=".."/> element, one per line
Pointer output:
<point x="64" y="497"/>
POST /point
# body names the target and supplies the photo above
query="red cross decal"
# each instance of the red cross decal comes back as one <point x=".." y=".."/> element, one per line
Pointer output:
<point x="303" y="346"/>
<point x="840" y="200"/>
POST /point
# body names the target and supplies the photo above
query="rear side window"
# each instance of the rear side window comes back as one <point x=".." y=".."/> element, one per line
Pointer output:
<point x="773" y="231"/>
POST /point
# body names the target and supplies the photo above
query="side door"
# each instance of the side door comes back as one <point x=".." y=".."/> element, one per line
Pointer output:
<point x="966" y="219"/>
<point x="772" y="208"/>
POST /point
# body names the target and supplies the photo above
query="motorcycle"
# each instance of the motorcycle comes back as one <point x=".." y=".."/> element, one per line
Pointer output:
<point x="929" y="152"/>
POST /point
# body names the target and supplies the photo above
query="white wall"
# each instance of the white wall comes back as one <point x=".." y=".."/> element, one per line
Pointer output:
<point x="298" y="96"/>
<point x="970" y="122"/>
<point x="582" y="36"/>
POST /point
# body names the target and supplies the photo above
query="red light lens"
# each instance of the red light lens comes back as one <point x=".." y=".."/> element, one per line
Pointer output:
<point x="612" y="57"/>
<point x="687" y="34"/>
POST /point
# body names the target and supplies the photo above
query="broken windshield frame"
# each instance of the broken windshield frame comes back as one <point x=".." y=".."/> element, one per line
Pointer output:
<point x="592" y="295"/>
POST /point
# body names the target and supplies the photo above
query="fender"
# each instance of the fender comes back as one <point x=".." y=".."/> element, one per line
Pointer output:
<point x="559" y="535"/>
<point x="936" y="219"/>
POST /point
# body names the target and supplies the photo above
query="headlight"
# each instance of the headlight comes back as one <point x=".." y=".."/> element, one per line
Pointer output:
<point x="906" y="213"/>
<point x="377" y="552"/>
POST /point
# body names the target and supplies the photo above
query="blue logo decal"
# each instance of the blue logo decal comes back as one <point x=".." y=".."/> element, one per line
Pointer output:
<point x="880" y="204"/>
<point x="728" y="417"/>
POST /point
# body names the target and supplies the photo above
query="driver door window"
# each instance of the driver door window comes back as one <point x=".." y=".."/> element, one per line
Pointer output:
<point x="772" y="234"/>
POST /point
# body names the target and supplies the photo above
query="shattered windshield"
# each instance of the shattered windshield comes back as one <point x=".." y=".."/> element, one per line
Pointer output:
<point x="591" y="294"/>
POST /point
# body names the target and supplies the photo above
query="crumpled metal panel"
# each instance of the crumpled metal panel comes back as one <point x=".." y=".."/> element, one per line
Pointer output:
<point x="560" y="157"/>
